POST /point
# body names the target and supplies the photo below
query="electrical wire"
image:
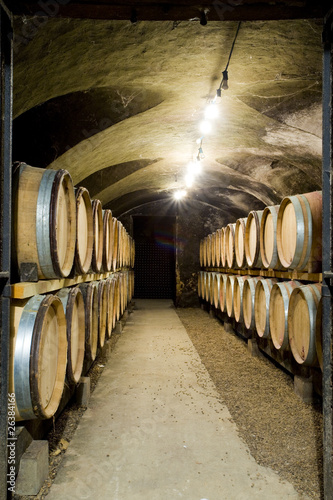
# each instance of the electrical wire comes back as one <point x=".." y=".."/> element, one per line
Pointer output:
<point x="233" y="45"/>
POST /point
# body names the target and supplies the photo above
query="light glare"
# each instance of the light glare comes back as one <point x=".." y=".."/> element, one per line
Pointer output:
<point x="189" y="179"/>
<point x="181" y="193"/>
<point x="205" y="127"/>
<point x="194" y="167"/>
<point x="211" y="112"/>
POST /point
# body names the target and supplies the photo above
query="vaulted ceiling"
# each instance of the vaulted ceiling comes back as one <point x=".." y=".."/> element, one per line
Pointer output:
<point x="119" y="103"/>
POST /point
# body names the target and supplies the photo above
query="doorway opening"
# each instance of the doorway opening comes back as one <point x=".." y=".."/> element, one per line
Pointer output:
<point x="155" y="257"/>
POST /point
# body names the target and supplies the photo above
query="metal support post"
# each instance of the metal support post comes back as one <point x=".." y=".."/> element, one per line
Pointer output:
<point x="6" y="84"/>
<point x="327" y="291"/>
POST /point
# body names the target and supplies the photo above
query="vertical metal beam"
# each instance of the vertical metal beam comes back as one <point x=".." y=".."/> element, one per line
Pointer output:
<point x="327" y="319"/>
<point x="6" y="84"/>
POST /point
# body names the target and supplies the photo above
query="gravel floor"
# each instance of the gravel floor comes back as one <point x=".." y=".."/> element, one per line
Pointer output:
<point x="282" y="431"/>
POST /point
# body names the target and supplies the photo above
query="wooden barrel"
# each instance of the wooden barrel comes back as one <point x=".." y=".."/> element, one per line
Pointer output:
<point x="261" y="306"/>
<point x="216" y="289"/>
<point x="230" y="286"/>
<point x="72" y="301"/>
<point x="120" y="245"/>
<point x="200" y="280"/>
<point x="121" y="284"/>
<point x="44" y="221"/>
<point x="127" y="281"/>
<point x="126" y="238"/>
<point x="97" y="253"/>
<point x="204" y="251"/>
<point x="211" y="288"/>
<point x="223" y="292"/>
<point x="132" y="284"/>
<point x="201" y="253"/>
<point x="38" y="356"/>
<point x="238" y="297"/>
<point x="107" y="250"/>
<point x="113" y="300"/>
<point x="319" y="333"/>
<point x="115" y="244"/>
<point x="299" y="232"/>
<point x="129" y="250"/>
<point x="132" y="253"/>
<point x="110" y="283"/>
<point x="203" y="284"/>
<point x="84" y="231"/>
<point x="303" y="304"/>
<point x="127" y="288"/>
<point x="117" y="294"/>
<point x="90" y="297"/>
<point x="213" y="263"/>
<point x="268" y="242"/>
<point x="230" y="245"/>
<point x="125" y="234"/>
<point x="240" y="242"/>
<point x="123" y="249"/>
<point x="223" y="250"/>
<point x="127" y="244"/>
<point x="218" y="248"/>
<point x="207" y="286"/>
<point x="252" y="239"/>
<point x="209" y="250"/>
<point x="249" y="291"/>
<point x="102" y="311"/>
<point x="123" y="292"/>
<point x="278" y="312"/>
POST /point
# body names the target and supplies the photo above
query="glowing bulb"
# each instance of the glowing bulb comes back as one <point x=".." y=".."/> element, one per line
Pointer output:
<point x="205" y="127"/>
<point x="181" y="193"/>
<point x="211" y="111"/>
<point x="189" y="179"/>
<point x="194" y="167"/>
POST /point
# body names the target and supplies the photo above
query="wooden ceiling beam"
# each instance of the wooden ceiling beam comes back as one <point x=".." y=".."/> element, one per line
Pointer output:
<point x="172" y="10"/>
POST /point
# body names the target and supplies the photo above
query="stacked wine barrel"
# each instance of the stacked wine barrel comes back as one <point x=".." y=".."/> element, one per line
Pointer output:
<point x="59" y="232"/>
<point x="275" y="242"/>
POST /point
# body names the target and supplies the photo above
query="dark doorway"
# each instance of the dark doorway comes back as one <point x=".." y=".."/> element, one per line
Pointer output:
<point x="155" y="261"/>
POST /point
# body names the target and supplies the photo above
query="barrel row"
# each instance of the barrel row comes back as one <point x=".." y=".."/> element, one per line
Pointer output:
<point x="287" y="312"/>
<point x="52" y="335"/>
<point x="61" y="231"/>
<point x="285" y="236"/>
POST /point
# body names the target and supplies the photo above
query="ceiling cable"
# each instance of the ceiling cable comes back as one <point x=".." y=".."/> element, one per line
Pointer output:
<point x="224" y="81"/>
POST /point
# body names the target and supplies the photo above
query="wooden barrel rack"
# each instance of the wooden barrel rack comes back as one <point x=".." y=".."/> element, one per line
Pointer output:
<point x="91" y="291"/>
<point x="263" y="237"/>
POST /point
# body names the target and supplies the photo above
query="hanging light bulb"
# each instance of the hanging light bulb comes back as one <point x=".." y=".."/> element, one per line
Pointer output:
<point x="189" y="179"/>
<point x="201" y="153"/>
<point x="194" y="167"/>
<point x="205" y="127"/>
<point x="181" y="193"/>
<point x="225" y="80"/>
<point x="211" y="111"/>
<point x="224" y="83"/>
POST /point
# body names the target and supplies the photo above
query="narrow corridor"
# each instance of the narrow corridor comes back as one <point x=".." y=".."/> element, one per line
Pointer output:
<point x="155" y="428"/>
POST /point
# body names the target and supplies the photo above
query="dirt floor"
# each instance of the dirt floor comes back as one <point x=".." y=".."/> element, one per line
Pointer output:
<point x="281" y="431"/>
